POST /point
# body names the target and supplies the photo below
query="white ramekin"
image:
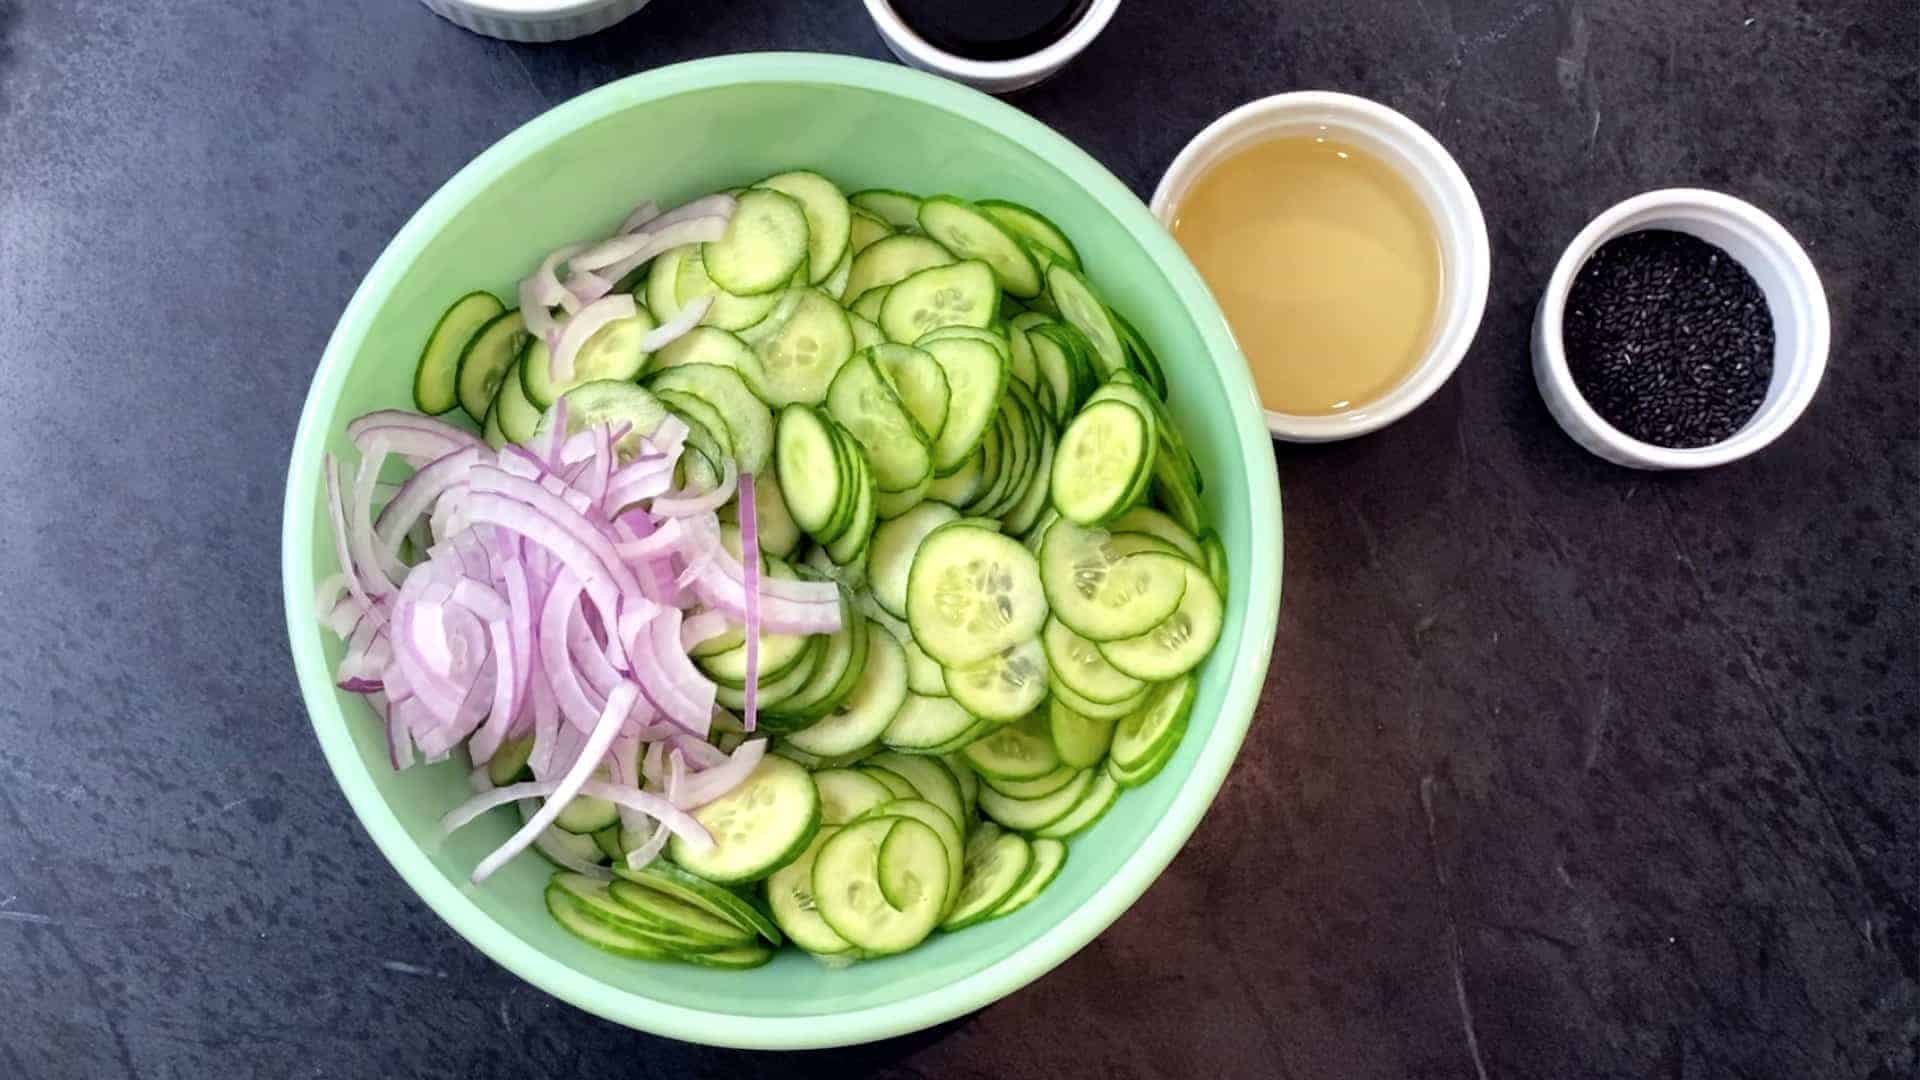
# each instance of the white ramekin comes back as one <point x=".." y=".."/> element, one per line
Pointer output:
<point x="534" y="21"/>
<point x="1433" y="175"/>
<point x="1786" y="277"/>
<point x="993" y="76"/>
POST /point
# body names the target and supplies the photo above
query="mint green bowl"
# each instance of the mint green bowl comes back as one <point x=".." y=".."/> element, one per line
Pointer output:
<point x="682" y="131"/>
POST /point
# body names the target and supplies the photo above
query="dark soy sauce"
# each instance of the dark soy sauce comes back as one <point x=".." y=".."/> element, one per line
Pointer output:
<point x="991" y="29"/>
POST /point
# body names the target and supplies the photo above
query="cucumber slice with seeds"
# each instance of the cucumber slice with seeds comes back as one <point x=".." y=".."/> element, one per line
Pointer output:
<point x="704" y="345"/>
<point x="973" y="593"/>
<point x="892" y="260"/>
<point x="895" y="543"/>
<point x="612" y="354"/>
<point x="1102" y="592"/>
<point x="865" y="334"/>
<point x="797" y="362"/>
<point x="726" y="311"/>
<point x="573" y="917"/>
<point x="866" y="229"/>
<point x="970" y="234"/>
<point x="1077" y="663"/>
<point x="748" y="424"/>
<point x="1094" y="710"/>
<point x="862" y="865"/>
<point x="976" y="377"/>
<point x="805" y="455"/>
<point x="931" y="780"/>
<point x="963" y="294"/>
<point x="1081" y="308"/>
<point x="758" y="827"/>
<point x="1162" y="720"/>
<point x="1100" y="460"/>
<point x="765" y="243"/>
<point x="866" y="405"/>
<point x="937" y="819"/>
<point x="1032" y="226"/>
<point x="920" y="383"/>
<point x="1038" y="787"/>
<point x="1181" y="641"/>
<point x="896" y="208"/>
<point x="1005" y="686"/>
<point x="876" y="697"/>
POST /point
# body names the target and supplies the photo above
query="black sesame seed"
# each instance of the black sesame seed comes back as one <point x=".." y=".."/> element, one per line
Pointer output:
<point x="1669" y="339"/>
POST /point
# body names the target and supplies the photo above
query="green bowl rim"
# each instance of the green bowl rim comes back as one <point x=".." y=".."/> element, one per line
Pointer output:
<point x="1028" y="962"/>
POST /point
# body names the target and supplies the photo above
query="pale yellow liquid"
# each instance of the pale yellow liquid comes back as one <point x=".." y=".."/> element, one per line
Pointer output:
<point x="1326" y="264"/>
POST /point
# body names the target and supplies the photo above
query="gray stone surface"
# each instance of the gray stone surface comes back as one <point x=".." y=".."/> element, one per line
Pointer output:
<point x="1562" y="771"/>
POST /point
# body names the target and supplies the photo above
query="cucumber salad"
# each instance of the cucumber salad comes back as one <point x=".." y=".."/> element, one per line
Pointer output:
<point x="820" y="566"/>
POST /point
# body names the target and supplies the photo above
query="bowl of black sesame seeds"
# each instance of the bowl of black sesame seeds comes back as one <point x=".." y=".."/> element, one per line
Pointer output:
<point x="1682" y="329"/>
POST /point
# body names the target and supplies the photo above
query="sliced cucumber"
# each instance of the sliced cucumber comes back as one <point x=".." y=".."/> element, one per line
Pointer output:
<point x="892" y="781"/>
<point x="1036" y="499"/>
<point x="937" y="819"/>
<point x="1022" y="751"/>
<point x="963" y="294"/>
<point x="892" y="260"/>
<point x="1081" y="308"/>
<point x="806" y="458"/>
<point x="882" y="883"/>
<point x="703" y="345"/>
<point x="765" y="243"/>
<point x="1178" y="644"/>
<point x="829" y="218"/>
<point x="863" y="402"/>
<point x="1004" y="687"/>
<point x="1145" y="770"/>
<point x="797" y="362"/>
<point x="573" y="917"/>
<point x="970" y="234"/>
<point x="866" y="229"/>
<point x="722" y="903"/>
<point x="1031" y="815"/>
<point x="1093" y="805"/>
<point x="1081" y="741"/>
<point x="725" y="311"/>
<point x="613" y="353"/>
<point x="1139" y="354"/>
<point x="931" y="780"/>
<point x="610" y="402"/>
<point x="1077" y="663"/>
<point x="865" y="334"/>
<point x="488" y="360"/>
<point x="896" y="208"/>
<point x="925" y="722"/>
<point x="790" y="896"/>
<point x="1215" y="561"/>
<point x="976" y="377"/>
<point x="436" y="376"/>
<point x="1020" y="362"/>
<point x="1054" y="369"/>
<point x="877" y="695"/>
<point x="1145" y="519"/>
<point x="1161" y="721"/>
<point x="585" y="815"/>
<point x="960" y="487"/>
<point x="895" y="543"/>
<point x="779" y="533"/>
<point x="490" y="434"/>
<point x="668" y="915"/>
<point x="1036" y="788"/>
<point x="845" y="794"/>
<point x="758" y="827"/>
<point x="836" y="675"/>
<point x="1094" y="710"/>
<point x="1030" y="225"/>
<point x="867" y="305"/>
<point x="1103" y="593"/>
<point x="1102" y="455"/>
<point x="996" y="862"/>
<point x="748" y="424"/>
<point x="973" y="593"/>
<point x="920" y="383"/>
<point x="1049" y="855"/>
<point x="662" y="291"/>
<point x="968" y="780"/>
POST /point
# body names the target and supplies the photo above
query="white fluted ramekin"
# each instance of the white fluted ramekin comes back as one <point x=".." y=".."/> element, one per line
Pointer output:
<point x="534" y="21"/>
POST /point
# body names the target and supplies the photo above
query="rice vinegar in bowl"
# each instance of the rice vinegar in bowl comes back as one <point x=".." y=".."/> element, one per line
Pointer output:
<point x="1346" y="251"/>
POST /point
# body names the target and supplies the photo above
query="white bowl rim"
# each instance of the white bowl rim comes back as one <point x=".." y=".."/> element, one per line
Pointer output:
<point x="1043" y="62"/>
<point x="1467" y="229"/>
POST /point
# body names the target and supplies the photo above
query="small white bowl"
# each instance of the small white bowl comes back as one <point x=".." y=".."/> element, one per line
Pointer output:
<point x="534" y="21"/>
<point x="1795" y="298"/>
<point x="993" y="76"/>
<point x="1433" y="175"/>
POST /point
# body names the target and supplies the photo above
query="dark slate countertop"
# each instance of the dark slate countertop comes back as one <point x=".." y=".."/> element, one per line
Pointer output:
<point x="1562" y="770"/>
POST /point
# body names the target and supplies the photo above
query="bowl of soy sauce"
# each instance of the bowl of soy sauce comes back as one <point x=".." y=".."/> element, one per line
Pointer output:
<point x="994" y="45"/>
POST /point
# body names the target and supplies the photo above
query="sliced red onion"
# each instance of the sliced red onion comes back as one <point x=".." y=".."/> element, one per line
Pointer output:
<point x="585" y="323"/>
<point x="543" y="285"/>
<point x="689" y="503"/>
<point x="619" y="704"/>
<point x="703" y="626"/>
<point x="642" y="214"/>
<point x="583" y="287"/>
<point x="711" y="783"/>
<point x="614" y="258"/>
<point x="675" y="328"/>
<point x="750" y="566"/>
<point x="437" y="438"/>
<point x="720" y="204"/>
<point x="677" y="821"/>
